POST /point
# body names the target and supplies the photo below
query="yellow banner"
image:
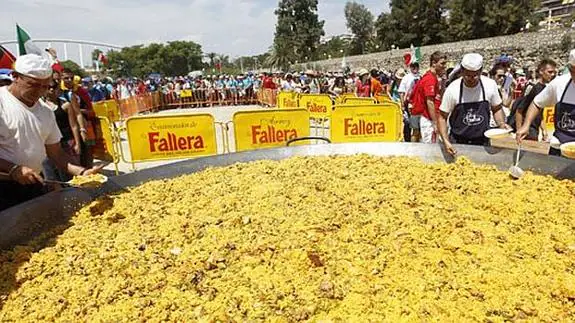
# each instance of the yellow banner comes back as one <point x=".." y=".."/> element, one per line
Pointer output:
<point x="359" y="101"/>
<point x="375" y="123"/>
<point x="287" y="100"/>
<point x="318" y="105"/>
<point x="341" y="99"/>
<point x="107" y="109"/>
<point x="549" y="118"/>
<point x="171" y="137"/>
<point x="104" y="148"/>
<point x="186" y="94"/>
<point x="383" y="99"/>
<point x="268" y="129"/>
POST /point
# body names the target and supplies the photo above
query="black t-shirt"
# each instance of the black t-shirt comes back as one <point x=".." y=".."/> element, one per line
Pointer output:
<point x="526" y="102"/>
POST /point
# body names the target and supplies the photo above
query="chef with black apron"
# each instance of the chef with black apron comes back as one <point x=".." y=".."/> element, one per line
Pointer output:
<point x="561" y="94"/>
<point x="467" y="104"/>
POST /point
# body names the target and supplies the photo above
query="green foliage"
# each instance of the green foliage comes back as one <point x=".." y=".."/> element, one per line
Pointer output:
<point x="472" y="19"/>
<point x="95" y="53"/>
<point x="174" y="59"/>
<point x="335" y="47"/>
<point x="298" y="32"/>
<point x="417" y="22"/>
<point x="74" y="68"/>
<point x="360" y="22"/>
<point x="425" y="22"/>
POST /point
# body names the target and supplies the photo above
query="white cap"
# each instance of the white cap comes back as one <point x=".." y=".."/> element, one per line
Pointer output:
<point x="362" y="72"/>
<point x="572" y="57"/>
<point x="472" y="62"/>
<point x="33" y="66"/>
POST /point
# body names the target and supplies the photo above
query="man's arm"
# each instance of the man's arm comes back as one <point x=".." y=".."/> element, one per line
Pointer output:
<point x="431" y="109"/>
<point x="532" y="113"/>
<point x="499" y="117"/>
<point x="63" y="161"/>
<point x="75" y="105"/>
<point x="73" y="121"/>
<point x="20" y="174"/>
<point x="442" y="124"/>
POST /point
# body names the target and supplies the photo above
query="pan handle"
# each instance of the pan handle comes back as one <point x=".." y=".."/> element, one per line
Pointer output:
<point x="291" y="141"/>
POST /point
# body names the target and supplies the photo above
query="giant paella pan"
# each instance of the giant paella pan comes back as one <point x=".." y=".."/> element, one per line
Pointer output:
<point x="353" y="232"/>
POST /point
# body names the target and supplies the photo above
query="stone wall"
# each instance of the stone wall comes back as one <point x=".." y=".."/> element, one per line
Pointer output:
<point x="526" y="48"/>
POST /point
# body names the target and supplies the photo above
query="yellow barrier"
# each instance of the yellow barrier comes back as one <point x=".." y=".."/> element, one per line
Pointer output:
<point x="186" y="94"/>
<point x="359" y="101"/>
<point x="549" y="118"/>
<point x="171" y="137"/>
<point x="287" y="100"/>
<point x="268" y="129"/>
<point x="107" y="142"/>
<point x="318" y="105"/>
<point x="381" y="99"/>
<point x="364" y="123"/>
<point x="340" y="99"/>
<point x="108" y="109"/>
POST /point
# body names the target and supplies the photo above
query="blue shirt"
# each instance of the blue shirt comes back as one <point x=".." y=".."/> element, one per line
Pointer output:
<point x="97" y="94"/>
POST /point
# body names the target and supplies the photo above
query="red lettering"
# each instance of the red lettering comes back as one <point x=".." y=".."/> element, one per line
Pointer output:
<point x="256" y="132"/>
<point x="361" y="127"/>
<point x="271" y="135"/>
<point x="182" y="143"/>
<point x="369" y="128"/>
<point x="174" y="143"/>
<point x="313" y="107"/>
<point x="153" y="139"/>
<point x="347" y="125"/>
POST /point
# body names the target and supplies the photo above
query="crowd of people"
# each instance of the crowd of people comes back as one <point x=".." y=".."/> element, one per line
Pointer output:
<point x="48" y="126"/>
<point x="455" y="104"/>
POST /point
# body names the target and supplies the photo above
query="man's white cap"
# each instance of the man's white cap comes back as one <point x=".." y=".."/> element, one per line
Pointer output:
<point x="572" y="57"/>
<point x="33" y="66"/>
<point x="472" y="62"/>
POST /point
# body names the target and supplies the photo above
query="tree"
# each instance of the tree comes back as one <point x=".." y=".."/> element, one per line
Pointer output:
<point x="298" y="29"/>
<point x="174" y="59"/>
<point x="279" y="57"/>
<point x="212" y="57"/>
<point x="417" y="22"/>
<point x="75" y="68"/>
<point x="472" y="19"/>
<point x="96" y="54"/>
<point x="360" y="22"/>
<point x="335" y="47"/>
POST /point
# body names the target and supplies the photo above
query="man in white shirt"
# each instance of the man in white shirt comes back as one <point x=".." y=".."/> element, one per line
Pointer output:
<point x="29" y="133"/>
<point x="405" y="89"/>
<point x="561" y="94"/>
<point x="468" y="103"/>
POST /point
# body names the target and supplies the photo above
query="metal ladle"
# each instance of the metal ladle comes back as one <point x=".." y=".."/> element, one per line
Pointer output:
<point x="515" y="171"/>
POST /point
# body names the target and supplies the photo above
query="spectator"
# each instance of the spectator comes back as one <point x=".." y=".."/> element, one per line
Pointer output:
<point x="363" y="84"/>
<point x="405" y="90"/>
<point x="68" y="126"/>
<point x="376" y="87"/>
<point x="427" y="98"/>
<point x="546" y="71"/>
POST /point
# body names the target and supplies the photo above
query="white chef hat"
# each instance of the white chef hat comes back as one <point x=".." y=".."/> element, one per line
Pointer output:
<point x="472" y="62"/>
<point x="572" y="57"/>
<point x="34" y="66"/>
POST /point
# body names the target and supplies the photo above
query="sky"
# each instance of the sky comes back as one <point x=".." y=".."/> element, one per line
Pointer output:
<point x="231" y="27"/>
